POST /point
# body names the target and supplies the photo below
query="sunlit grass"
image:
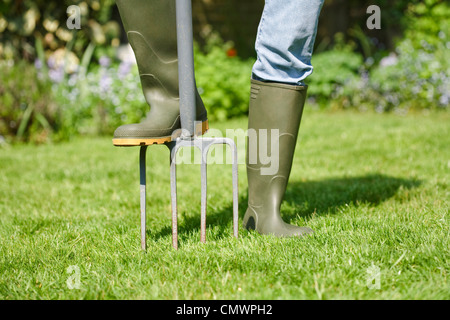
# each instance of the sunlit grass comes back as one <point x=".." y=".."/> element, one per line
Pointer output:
<point x="373" y="187"/>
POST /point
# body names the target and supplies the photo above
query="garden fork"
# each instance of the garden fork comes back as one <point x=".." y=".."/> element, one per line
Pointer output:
<point x="188" y="137"/>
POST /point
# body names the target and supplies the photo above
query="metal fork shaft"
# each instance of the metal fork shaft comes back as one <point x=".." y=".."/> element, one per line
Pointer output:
<point x="143" y="195"/>
<point x="186" y="76"/>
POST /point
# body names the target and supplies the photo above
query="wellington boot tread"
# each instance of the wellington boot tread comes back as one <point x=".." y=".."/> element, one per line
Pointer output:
<point x="146" y="141"/>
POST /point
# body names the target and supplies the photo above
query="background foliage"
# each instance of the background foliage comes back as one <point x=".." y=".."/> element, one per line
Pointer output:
<point x="412" y="76"/>
<point x="24" y="21"/>
<point x="77" y="82"/>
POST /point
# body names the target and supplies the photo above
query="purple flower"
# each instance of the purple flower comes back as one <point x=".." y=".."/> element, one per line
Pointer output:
<point x="51" y="62"/>
<point x="56" y="75"/>
<point x="73" y="79"/>
<point x="105" y="83"/>
<point x="38" y="64"/>
<point x="104" y="61"/>
<point x="389" y="60"/>
<point x="124" y="69"/>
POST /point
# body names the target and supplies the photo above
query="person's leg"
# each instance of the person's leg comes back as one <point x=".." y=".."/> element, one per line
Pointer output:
<point x="284" y="47"/>
<point x="151" y="30"/>
<point x="285" y="40"/>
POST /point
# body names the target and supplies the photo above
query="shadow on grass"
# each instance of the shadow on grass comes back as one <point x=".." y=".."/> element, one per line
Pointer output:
<point x="307" y="198"/>
<point x="327" y="196"/>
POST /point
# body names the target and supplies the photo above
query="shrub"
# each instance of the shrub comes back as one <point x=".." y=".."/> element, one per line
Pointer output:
<point x="110" y="94"/>
<point x="27" y="110"/>
<point x="414" y="76"/>
<point x="61" y="98"/>
<point x="99" y="101"/>
<point x="333" y="71"/>
<point x="223" y="80"/>
<point x="21" y="22"/>
<point x="416" y="79"/>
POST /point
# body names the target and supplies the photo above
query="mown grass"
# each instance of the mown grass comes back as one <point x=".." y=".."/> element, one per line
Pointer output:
<point x="373" y="187"/>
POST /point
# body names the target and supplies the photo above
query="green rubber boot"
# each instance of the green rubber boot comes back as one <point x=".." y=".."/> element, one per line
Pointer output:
<point x="151" y="31"/>
<point x="272" y="106"/>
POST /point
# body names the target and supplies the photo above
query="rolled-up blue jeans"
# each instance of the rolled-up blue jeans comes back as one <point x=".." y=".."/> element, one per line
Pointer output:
<point x="285" y="40"/>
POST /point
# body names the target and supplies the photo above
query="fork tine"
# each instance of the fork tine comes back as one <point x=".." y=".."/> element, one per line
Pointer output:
<point x="203" y="199"/>
<point x="173" y="194"/>
<point x="143" y="195"/>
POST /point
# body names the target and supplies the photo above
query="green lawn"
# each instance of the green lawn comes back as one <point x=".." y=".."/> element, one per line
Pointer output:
<point x="373" y="187"/>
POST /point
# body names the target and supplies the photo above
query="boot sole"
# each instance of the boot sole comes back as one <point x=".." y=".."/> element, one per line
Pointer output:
<point x="132" y="142"/>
